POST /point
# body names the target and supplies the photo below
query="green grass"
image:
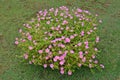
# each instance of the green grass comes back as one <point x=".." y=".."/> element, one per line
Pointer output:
<point x="13" y="13"/>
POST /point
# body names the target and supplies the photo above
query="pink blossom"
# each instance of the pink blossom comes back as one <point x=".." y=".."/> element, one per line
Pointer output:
<point x="26" y="56"/>
<point x="88" y="33"/>
<point x="95" y="49"/>
<point x="67" y="28"/>
<point x="46" y="57"/>
<point x="81" y="53"/>
<point x="62" y="62"/>
<point x="96" y="61"/>
<point x="102" y="66"/>
<point x="48" y="22"/>
<point x="60" y="52"/>
<point x="23" y="40"/>
<point x="50" y="46"/>
<point x="51" y="66"/>
<point x="79" y="44"/>
<point x="65" y="22"/>
<point x="62" y="71"/>
<point x="81" y="56"/>
<point x="86" y="46"/>
<point x="63" y="37"/>
<point x="47" y="50"/>
<point x="91" y="30"/>
<point x="69" y="72"/>
<point x="71" y="51"/>
<point x="30" y="62"/>
<point x="20" y="30"/>
<point x="62" y="46"/>
<point x="45" y="65"/>
<point x="40" y="51"/>
<point x="86" y="52"/>
<point x="61" y="14"/>
<point x="82" y="24"/>
<point x="93" y="56"/>
<point x="72" y="37"/>
<point x="79" y="65"/>
<point x="79" y="10"/>
<point x="90" y="65"/>
<point x="90" y="60"/>
<point x="30" y="37"/>
<point x="83" y="59"/>
<point x="16" y="42"/>
<point x="75" y="35"/>
<point x="30" y="47"/>
<point x="82" y="33"/>
<point x="52" y="28"/>
<point x="97" y="39"/>
<point x="67" y="40"/>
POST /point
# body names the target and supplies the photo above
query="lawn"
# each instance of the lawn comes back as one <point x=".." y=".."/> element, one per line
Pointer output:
<point x="13" y="13"/>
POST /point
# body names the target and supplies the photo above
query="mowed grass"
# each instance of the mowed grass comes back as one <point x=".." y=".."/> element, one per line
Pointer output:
<point x="13" y="13"/>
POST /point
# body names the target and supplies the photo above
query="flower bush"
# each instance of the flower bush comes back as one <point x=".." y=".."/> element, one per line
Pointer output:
<point x="61" y="38"/>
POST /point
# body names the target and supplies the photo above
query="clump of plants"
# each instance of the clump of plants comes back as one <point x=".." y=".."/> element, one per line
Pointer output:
<point x="61" y="38"/>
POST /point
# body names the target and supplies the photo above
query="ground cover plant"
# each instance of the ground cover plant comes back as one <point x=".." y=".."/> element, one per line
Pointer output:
<point x="61" y="38"/>
<point x="13" y="13"/>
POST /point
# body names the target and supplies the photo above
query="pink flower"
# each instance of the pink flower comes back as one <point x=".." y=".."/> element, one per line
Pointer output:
<point x="29" y="37"/>
<point x="51" y="66"/>
<point x="96" y="61"/>
<point x="16" y="42"/>
<point x="30" y="62"/>
<point x="86" y="47"/>
<point x="81" y="56"/>
<point x="20" y="30"/>
<point x="79" y="65"/>
<point x="65" y="22"/>
<point x="102" y="66"/>
<point x="50" y="46"/>
<point x="79" y="44"/>
<point x="62" y="46"/>
<point x="45" y="65"/>
<point x="75" y="35"/>
<point x="83" y="59"/>
<point x="93" y="56"/>
<point x="52" y="28"/>
<point x="40" y="51"/>
<point x="48" y="22"/>
<point x="62" y="62"/>
<point x="67" y="28"/>
<point x="60" y="52"/>
<point x="88" y="33"/>
<point x="71" y="51"/>
<point x="67" y="40"/>
<point x="46" y="57"/>
<point x="79" y="10"/>
<point x="80" y="53"/>
<point x="30" y="47"/>
<point x="72" y="37"/>
<point x="82" y="24"/>
<point x="26" y="56"/>
<point x="62" y="71"/>
<point x="95" y="49"/>
<point x="91" y="30"/>
<point x="47" y="50"/>
<point x="69" y="72"/>
<point x="90" y="65"/>
<point x="97" y="39"/>
<point x="82" y="33"/>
